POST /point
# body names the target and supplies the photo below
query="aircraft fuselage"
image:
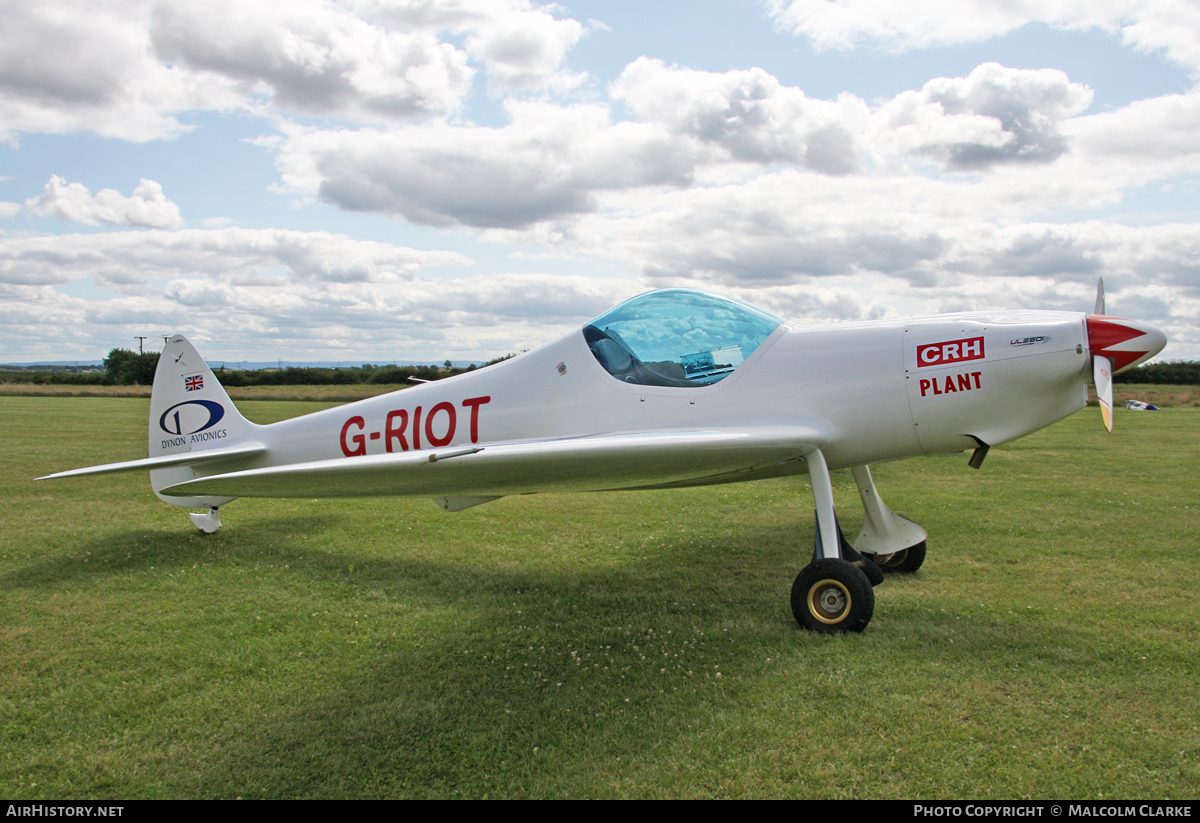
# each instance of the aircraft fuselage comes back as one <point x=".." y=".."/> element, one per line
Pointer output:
<point x="878" y="390"/>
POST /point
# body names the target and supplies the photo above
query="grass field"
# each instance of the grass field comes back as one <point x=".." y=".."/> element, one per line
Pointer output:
<point x="606" y="645"/>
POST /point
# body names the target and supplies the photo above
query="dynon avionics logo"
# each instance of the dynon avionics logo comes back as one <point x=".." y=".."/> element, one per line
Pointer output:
<point x="191" y="416"/>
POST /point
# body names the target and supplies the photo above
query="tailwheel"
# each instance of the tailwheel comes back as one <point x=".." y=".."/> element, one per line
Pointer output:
<point x="905" y="561"/>
<point x="832" y="595"/>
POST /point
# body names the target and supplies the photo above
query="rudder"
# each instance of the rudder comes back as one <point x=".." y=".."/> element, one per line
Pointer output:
<point x="189" y="412"/>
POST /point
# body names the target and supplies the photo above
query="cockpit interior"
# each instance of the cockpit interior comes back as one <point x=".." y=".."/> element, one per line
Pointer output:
<point x="678" y="337"/>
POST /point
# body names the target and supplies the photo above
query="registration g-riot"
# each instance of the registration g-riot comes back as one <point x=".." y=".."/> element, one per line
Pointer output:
<point x="672" y="388"/>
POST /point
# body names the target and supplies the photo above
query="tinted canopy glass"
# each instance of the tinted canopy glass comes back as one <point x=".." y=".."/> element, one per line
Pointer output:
<point x="677" y="337"/>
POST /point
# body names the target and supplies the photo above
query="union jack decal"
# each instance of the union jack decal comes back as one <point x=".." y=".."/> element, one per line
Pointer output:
<point x="194" y="383"/>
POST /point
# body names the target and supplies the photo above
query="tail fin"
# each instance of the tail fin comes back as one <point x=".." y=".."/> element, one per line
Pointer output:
<point x="189" y="413"/>
<point x="194" y="430"/>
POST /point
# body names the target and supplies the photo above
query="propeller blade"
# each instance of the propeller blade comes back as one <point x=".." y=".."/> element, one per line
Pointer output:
<point x="1102" y="374"/>
<point x="1100" y="297"/>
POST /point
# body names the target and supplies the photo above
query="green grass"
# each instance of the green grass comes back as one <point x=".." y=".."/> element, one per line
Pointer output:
<point x="607" y="645"/>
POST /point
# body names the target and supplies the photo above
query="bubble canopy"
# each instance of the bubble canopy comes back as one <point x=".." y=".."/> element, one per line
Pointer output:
<point x="678" y="337"/>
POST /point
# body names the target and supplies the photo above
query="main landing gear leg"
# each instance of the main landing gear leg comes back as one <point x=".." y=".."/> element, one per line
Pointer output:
<point x="209" y="522"/>
<point x="831" y="594"/>
<point x="894" y="542"/>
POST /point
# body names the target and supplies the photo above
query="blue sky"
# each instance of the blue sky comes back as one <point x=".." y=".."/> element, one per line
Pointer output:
<point x="420" y="180"/>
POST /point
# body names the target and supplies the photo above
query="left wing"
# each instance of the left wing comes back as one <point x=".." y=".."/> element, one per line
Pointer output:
<point x="591" y="463"/>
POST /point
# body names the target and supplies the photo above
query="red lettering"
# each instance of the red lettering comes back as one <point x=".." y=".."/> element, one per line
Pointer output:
<point x="398" y="432"/>
<point x="473" y="403"/>
<point x="953" y="351"/>
<point x="954" y="383"/>
<point x="433" y="439"/>
<point x="416" y="429"/>
<point x="361" y="447"/>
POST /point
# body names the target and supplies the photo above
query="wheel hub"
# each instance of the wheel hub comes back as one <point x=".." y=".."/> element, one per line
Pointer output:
<point x="829" y="601"/>
<point x="832" y="600"/>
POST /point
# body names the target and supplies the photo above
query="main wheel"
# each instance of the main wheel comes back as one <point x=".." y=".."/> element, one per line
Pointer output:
<point x="832" y="595"/>
<point x="905" y="561"/>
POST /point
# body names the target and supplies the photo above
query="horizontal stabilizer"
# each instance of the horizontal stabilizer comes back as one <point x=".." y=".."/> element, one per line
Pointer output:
<point x="184" y="459"/>
<point x="593" y="463"/>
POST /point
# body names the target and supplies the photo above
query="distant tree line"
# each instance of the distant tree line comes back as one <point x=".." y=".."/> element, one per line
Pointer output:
<point x="128" y="368"/>
<point x="26" y="374"/>
<point x="367" y="373"/>
<point x="1172" y="373"/>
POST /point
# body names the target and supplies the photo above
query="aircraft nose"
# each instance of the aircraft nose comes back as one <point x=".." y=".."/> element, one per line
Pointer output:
<point x="1128" y="342"/>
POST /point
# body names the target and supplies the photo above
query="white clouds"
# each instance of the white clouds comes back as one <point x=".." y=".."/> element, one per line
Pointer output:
<point x="915" y="24"/>
<point x="147" y="206"/>
<point x="1170" y="25"/>
<point x="72" y="66"/>
<point x="523" y="48"/>
<point x="995" y="115"/>
<point x="127" y="261"/>
<point x="749" y="114"/>
<point x="1146" y="139"/>
<point x="1127" y="256"/>
<point x="127" y="69"/>
<point x="520" y="43"/>
<point x="555" y="162"/>
<point x="828" y="249"/>
<point x="868" y="251"/>
<point x="915" y="204"/>
<point x="550" y="162"/>
<point x="245" y="291"/>
<point x="298" y="295"/>
<point x="781" y="228"/>
<point x="313" y="57"/>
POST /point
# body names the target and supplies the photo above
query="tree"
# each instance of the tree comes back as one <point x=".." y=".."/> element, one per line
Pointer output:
<point x="125" y="368"/>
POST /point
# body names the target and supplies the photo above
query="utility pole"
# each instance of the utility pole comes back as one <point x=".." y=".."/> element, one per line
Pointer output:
<point x="140" y="339"/>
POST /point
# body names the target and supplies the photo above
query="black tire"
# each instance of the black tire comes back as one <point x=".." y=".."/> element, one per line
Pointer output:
<point x="871" y="570"/>
<point x="905" y="561"/>
<point x="864" y="562"/>
<point x="832" y="595"/>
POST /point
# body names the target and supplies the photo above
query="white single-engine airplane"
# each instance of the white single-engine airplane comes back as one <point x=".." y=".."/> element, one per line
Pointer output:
<point x="672" y="388"/>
